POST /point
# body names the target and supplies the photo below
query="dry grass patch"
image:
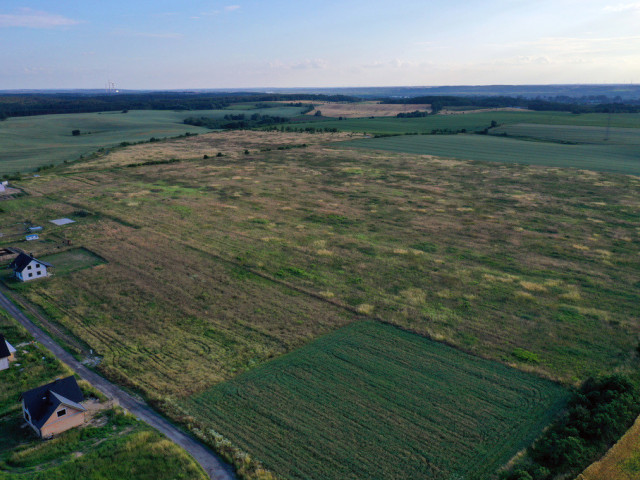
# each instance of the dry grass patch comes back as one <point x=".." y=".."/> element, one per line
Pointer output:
<point x="622" y="461"/>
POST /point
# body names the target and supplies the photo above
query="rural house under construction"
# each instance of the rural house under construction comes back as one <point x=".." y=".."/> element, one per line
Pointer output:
<point x="54" y="408"/>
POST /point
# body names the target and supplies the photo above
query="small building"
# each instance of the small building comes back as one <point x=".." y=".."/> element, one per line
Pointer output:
<point x="26" y="267"/>
<point x="35" y="229"/>
<point x="32" y="236"/>
<point x="54" y="408"/>
<point x="7" y="353"/>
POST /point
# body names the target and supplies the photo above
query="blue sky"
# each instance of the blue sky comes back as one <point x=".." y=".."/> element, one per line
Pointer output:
<point x="287" y="43"/>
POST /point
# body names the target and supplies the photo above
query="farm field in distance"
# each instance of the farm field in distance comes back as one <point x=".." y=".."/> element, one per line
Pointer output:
<point x="469" y="121"/>
<point x="365" y="109"/>
<point x="217" y="266"/>
<point x="617" y="158"/>
<point x="30" y="142"/>
<point x="372" y="401"/>
<point x="571" y="134"/>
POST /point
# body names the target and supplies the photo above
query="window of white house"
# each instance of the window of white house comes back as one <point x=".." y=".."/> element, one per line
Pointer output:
<point x="28" y="267"/>
<point x="62" y="412"/>
<point x="31" y="275"/>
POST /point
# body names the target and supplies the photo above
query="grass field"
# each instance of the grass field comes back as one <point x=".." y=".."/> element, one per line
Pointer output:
<point x="371" y="401"/>
<point x="618" y="158"/>
<point x="30" y="142"/>
<point x="72" y="260"/>
<point x="571" y="134"/>
<point x="472" y="121"/>
<point x="547" y="258"/>
<point x="217" y="266"/>
<point x="111" y="447"/>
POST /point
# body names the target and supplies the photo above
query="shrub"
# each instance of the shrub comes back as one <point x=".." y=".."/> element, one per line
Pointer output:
<point x="597" y="415"/>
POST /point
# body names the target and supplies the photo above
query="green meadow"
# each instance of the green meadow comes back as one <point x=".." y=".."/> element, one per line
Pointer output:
<point x="27" y="143"/>
<point x="470" y="121"/>
<point x="571" y="134"/>
<point x="620" y="158"/>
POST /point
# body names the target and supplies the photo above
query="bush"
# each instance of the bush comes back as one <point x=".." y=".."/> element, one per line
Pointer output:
<point x="597" y="416"/>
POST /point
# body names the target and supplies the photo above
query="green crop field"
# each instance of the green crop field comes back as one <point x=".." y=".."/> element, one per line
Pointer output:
<point x="371" y="401"/>
<point x="30" y="142"/>
<point x="471" y="121"/>
<point x="571" y="133"/>
<point x="488" y="148"/>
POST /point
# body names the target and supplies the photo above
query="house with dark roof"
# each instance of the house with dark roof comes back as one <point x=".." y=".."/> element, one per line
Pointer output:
<point x="7" y="353"/>
<point x="54" y="408"/>
<point x="26" y="267"/>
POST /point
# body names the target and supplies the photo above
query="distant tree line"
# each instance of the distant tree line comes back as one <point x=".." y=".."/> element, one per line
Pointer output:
<point x="588" y="104"/>
<point x="19" y="105"/>
<point x="414" y="114"/>
<point x="596" y="416"/>
<point x="235" y="122"/>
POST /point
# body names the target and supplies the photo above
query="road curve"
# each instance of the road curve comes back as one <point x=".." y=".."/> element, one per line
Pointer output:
<point x="215" y="468"/>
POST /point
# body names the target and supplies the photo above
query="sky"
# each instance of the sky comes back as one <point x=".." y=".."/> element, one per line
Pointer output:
<point x="160" y="44"/>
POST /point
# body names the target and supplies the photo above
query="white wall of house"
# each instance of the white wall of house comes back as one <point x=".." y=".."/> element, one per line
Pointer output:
<point x="4" y="363"/>
<point x="32" y="271"/>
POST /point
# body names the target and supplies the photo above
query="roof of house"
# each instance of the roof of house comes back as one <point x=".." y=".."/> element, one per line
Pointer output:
<point x="43" y="401"/>
<point x="23" y="260"/>
<point x="5" y="348"/>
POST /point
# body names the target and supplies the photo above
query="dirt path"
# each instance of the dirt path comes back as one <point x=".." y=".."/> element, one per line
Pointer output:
<point x="215" y="468"/>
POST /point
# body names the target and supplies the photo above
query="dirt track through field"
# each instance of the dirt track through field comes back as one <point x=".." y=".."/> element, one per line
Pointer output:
<point x="215" y="468"/>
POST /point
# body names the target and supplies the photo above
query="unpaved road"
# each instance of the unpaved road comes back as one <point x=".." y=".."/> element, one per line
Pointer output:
<point x="215" y="468"/>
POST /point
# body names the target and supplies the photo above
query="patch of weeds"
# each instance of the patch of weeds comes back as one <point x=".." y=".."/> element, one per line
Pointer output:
<point x="525" y="355"/>
<point x="426" y="247"/>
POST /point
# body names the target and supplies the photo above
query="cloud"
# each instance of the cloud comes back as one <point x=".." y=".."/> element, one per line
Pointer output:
<point x="157" y="35"/>
<point x="29" y="18"/>
<point x="307" y="64"/>
<point x="623" y="7"/>
<point x="212" y="13"/>
<point x="128" y="33"/>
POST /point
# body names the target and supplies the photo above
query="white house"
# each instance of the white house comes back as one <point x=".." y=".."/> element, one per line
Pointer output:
<point x="26" y="267"/>
<point x="7" y="353"/>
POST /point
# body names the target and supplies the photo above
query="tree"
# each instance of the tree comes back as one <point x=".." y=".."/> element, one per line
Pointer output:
<point x="318" y="113"/>
<point x="75" y="133"/>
